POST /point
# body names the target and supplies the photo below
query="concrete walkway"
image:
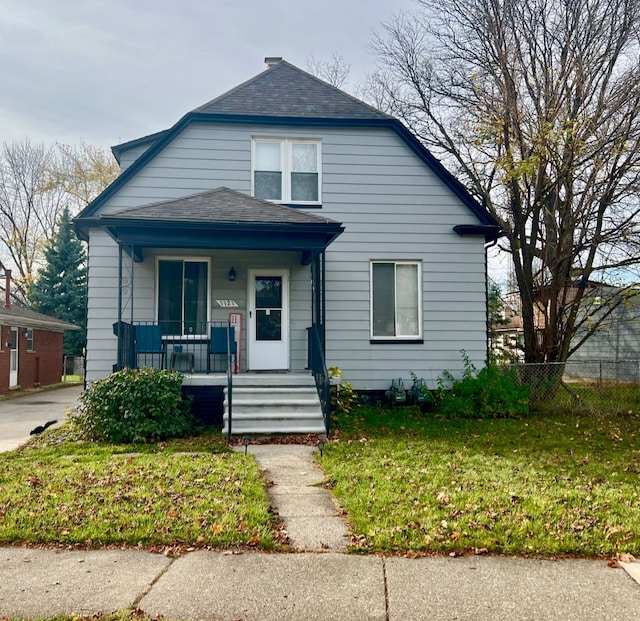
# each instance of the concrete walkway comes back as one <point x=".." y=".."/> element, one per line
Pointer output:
<point x="309" y="513"/>
<point x="312" y="586"/>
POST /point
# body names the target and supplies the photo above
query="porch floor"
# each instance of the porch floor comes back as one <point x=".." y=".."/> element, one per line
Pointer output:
<point x="249" y="378"/>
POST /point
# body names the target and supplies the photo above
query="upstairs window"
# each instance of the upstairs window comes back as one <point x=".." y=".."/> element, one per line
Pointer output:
<point x="183" y="294"/>
<point x="287" y="170"/>
<point x="395" y="300"/>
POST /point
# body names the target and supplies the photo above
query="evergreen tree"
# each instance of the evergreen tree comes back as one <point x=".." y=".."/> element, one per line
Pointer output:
<point x="60" y="288"/>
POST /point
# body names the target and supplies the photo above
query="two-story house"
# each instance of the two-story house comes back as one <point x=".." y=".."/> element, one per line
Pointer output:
<point x="317" y="225"/>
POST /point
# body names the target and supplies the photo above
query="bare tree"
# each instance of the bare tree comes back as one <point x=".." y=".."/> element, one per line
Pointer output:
<point x="83" y="171"/>
<point x="36" y="184"/>
<point x="537" y="105"/>
<point x="29" y="208"/>
<point x="334" y="72"/>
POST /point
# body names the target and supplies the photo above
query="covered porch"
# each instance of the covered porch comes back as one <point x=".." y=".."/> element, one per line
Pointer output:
<point x="219" y="284"/>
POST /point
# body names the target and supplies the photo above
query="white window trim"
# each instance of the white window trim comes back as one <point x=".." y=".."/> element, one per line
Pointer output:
<point x="197" y="259"/>
<point x="285" y="160"/>
<point x="420" y="294"/>
<point x="27" y="332"/>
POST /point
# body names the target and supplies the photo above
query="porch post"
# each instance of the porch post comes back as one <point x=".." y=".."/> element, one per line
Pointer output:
<point x="119" y="360"/>
<point x="323" y="300"/>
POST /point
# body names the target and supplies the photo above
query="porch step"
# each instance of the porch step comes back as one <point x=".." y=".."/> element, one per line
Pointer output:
<point x="268" y="404"/>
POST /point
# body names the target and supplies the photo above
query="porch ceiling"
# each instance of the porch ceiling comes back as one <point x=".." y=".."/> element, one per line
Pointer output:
<point x="218" y="219"/>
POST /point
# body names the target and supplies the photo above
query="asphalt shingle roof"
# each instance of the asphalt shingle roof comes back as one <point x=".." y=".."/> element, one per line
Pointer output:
<point x="286" y="91"/>
<point x="220" y="205"/>
<point x="27" y="318"/>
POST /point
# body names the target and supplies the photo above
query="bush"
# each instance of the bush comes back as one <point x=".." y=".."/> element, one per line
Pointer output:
<point x="492" y="392"/>
<point x="134" y="405"/>
<point x="343" y="396"/>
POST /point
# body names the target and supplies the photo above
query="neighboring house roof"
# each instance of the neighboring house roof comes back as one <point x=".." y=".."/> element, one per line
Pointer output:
<point x="286" y="95"/>
<point x="26" y="318"/>
<point x="220" y="205"/>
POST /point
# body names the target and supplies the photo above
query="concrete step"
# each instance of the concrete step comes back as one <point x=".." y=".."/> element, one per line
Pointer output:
<point x="286" y="403"/>
<point x="260" y="407"/>
<point x="284" y="426"/>
<point x="277" y="415"/>
<point x="255" y="380"/>
<point x="274" y="392"/>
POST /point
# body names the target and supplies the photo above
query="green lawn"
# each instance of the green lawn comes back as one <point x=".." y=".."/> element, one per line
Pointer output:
<point x="186" y="493"/>
<point x="543" y="485"/>
<point x="409" y="482"/>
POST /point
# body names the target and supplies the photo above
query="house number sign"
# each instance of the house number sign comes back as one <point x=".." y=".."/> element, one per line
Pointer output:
<point x="227" y="303"/>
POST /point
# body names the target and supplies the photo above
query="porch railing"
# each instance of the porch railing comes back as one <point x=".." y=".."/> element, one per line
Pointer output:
<point x="188" y="349"/>
<point x="318" y="367"/>
<point x="211" y="348"/>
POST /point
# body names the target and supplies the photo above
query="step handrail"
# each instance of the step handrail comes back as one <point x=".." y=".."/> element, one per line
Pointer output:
<point x="318" y="368"/>
<point x="229" y="381"/>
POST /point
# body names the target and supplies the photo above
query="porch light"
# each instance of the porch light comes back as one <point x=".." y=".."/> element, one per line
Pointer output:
<point x="232" y="274"/>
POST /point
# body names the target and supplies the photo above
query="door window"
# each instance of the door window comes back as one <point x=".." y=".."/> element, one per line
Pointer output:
<point x="268" y="292"/>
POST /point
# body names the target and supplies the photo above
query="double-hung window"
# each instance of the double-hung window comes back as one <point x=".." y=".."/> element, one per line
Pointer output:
<point x="287" y="170"/>
<point x="396" y="300"/>
<point x="183" y="296"/>
<point x="28" y="335"/>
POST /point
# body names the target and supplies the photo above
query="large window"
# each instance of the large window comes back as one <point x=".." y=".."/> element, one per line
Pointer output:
<point x="286" y="171"/>
<point x="183" y="294"/>
<point x="395" y="300"/>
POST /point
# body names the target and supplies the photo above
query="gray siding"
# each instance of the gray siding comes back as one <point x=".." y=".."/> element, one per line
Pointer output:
<point x="131" y="155"/>
<point x="392" y="207"/>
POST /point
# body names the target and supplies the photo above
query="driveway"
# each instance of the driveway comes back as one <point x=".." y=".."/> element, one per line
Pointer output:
<point x="19" y="416"/>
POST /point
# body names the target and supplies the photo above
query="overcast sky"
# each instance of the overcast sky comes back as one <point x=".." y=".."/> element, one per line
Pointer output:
<point x="108" y="71"/>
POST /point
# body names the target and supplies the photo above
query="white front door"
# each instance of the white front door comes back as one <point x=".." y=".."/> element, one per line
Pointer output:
<point x="13" y="364"/>
<point x="268" y="329"/>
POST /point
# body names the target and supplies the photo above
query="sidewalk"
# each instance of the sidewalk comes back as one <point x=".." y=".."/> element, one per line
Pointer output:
<point x="312" y="586"/>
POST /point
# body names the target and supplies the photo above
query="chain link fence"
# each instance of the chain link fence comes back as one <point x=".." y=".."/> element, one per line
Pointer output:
<point x="594" y="386"/>
<point x="73" y="369"/>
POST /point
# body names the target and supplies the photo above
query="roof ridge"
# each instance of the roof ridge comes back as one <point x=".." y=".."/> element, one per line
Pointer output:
<point x="278" y="67"/>
<point x="230" y="91"/>
<point x="335" y="88"/>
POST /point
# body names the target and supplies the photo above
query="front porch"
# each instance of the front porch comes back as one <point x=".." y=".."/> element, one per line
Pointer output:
<point x="260" y="403"/>
<point x="218" y="284"/>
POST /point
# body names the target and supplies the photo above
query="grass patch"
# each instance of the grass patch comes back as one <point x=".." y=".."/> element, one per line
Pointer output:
<point x="536" y="486"/>
<point x="72" y="379"/>
<point x="605" y="399"/>
<point x="61" y="491"/>
<point x="120" y="615"/>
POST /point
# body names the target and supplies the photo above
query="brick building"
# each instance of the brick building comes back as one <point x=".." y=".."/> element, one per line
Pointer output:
<point x="30" y="348"/>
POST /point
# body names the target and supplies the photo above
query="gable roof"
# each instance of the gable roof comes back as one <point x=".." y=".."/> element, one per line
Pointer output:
<point x="219" y="205"/>
<point x="27" y="318"/>
<point x="286" y="95"/>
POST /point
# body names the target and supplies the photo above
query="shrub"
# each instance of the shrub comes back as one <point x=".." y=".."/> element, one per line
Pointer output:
<point x="134" y="405"/>
<point x="343" y="396"/>
<point x="492" y="392"/>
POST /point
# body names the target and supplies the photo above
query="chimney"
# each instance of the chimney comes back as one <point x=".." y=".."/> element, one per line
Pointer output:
<point x="7" y="289"/>
<point x="272" y="61"/>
